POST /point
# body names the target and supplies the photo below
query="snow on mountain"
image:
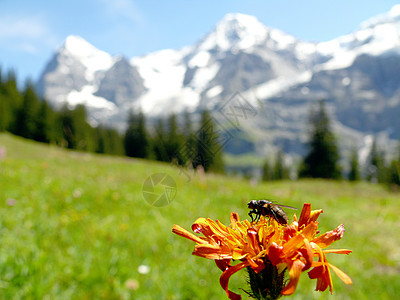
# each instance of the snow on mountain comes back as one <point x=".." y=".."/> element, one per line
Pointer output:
<point x="279" y="75"/>
<point x="163" y="68"/>
<point x="93" y="59"/>
<point x="163" y="73"/>
<point x="392" y="16"/>
<point x="235" y="31"/>
<point x="238" y="53"/>
<point x="85" y="96"/>
<point x="70" y="76"/>
<point x="238" y="32"/>
<point x="376" y="36"/>
<point x="280" y="84"/>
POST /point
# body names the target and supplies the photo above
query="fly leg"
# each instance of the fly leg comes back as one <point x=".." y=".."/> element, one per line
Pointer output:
<point x="254" y="212"/>
<point x="251" y="215"/>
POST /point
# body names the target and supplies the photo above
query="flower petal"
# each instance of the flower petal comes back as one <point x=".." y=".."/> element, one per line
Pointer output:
<point x="305" y="214"/>
<point x="329" y="237"/>
<point x="315" y="214"/>
<point x="338" y="251"/>
<point x="294" y="274"/>
<point x="200" y="225"/>
<point x="289" y="231"/>
<point x="252" y="236"/>
<point x="307" y="254"/>
<point x="321" y="272"/>
<point x="223" y="264"/>
<point x="274" y="254"/>
<point x="322" y="275"/>
<point x="224" y="279"/>
<point x="186" y="234"/>
<point x="290" y="248"/>
<point x="234" y="219"/>
<point x="212" y="251"/>
<point x="342" y="275"/>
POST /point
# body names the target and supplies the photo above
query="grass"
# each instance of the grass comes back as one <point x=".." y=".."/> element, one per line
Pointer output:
<point x="76" y="226"/>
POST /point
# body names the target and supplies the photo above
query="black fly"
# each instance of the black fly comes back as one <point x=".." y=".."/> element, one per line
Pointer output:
<point x="267" y="208"/>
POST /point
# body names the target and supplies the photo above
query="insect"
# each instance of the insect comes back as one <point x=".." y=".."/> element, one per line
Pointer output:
<point x="267" y="208"/>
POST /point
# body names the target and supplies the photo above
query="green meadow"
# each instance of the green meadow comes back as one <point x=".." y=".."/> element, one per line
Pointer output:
<point x="76" y="226"/>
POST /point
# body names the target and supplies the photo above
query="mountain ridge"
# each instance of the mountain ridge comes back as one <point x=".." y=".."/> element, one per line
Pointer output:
<point x="280" y="75"/>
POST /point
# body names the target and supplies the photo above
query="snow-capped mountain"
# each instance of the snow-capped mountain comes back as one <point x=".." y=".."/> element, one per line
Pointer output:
<point x="280" y="76"/>
<point x="73" y="74"/>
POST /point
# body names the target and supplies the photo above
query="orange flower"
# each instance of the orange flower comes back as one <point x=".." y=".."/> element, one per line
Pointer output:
<point x="267" y="247"/>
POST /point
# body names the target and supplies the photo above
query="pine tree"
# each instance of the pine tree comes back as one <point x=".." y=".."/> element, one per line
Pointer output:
<point x="208" y="150"/>
<point x="188" y="147"/>
<point x="76" y="131"/>
<point x="354" y="174"/>
<point x="159" y="141"/>
<point x="114" y="142"/>
<point x="267" y="174"/>
<point x="187" y="125"/>
<point x="84" y="133"/>
<point x="174" y="140"/>
<point x="13" y="99"/>
<point x="394" y="173"/>
<point x="57" y="127"/>
<point x="5" y="106"/>
<point x="25" y="119"/>
<point x="44" y="124"/>
<point x="280" y="171"/>
<point x="5" y="109"/>
<point x="101" y="139"/>
<point x="109" y="141"/>
<point x="377" y="171"/>
<point x="68" y="129"/>
<point x="322" y="159"/>
<point x="136" y="141"/>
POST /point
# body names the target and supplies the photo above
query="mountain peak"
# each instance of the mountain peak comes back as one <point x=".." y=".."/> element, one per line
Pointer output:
<point x="241" y="19"/>
<point x="93" y="58"/>
<point x="237" y="26"/>
<point x="392" y="16"/>
<point x="395" y="10"/>
<point x="238" y="31"/>
<point x="77" y="45"/>
<point x="235" y="31"/>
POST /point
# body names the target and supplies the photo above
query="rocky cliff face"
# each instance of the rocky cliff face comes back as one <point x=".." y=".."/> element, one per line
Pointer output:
<point x="120" y="83"/>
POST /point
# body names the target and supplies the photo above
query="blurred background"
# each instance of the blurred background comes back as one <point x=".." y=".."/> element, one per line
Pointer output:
<point x="119" y="119"/>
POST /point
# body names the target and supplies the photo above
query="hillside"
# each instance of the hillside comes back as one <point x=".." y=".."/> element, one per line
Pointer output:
<point x="75" y="226"/>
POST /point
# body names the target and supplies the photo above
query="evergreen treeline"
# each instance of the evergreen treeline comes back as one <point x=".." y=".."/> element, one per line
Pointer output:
<point x="174" y="141"/>
<point x="379" y="170"/>
<point x="25" y="114"/>
<point x="322" y="159"/>
<point x="276" y="171"/>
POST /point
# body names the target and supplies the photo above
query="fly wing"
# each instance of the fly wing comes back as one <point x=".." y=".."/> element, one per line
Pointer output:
<point x="286" y="206"/>
<point x="269" y="202"/>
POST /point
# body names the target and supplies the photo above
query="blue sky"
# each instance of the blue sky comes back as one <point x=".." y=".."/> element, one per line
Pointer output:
<point x="31" y="30"/>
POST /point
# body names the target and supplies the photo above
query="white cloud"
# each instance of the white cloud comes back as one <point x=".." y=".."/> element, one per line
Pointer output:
<point x="25" y="33"/>
<point x="123" y="8"/>
<point x="21" y="27"/>
<point x="28" y="48"/>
